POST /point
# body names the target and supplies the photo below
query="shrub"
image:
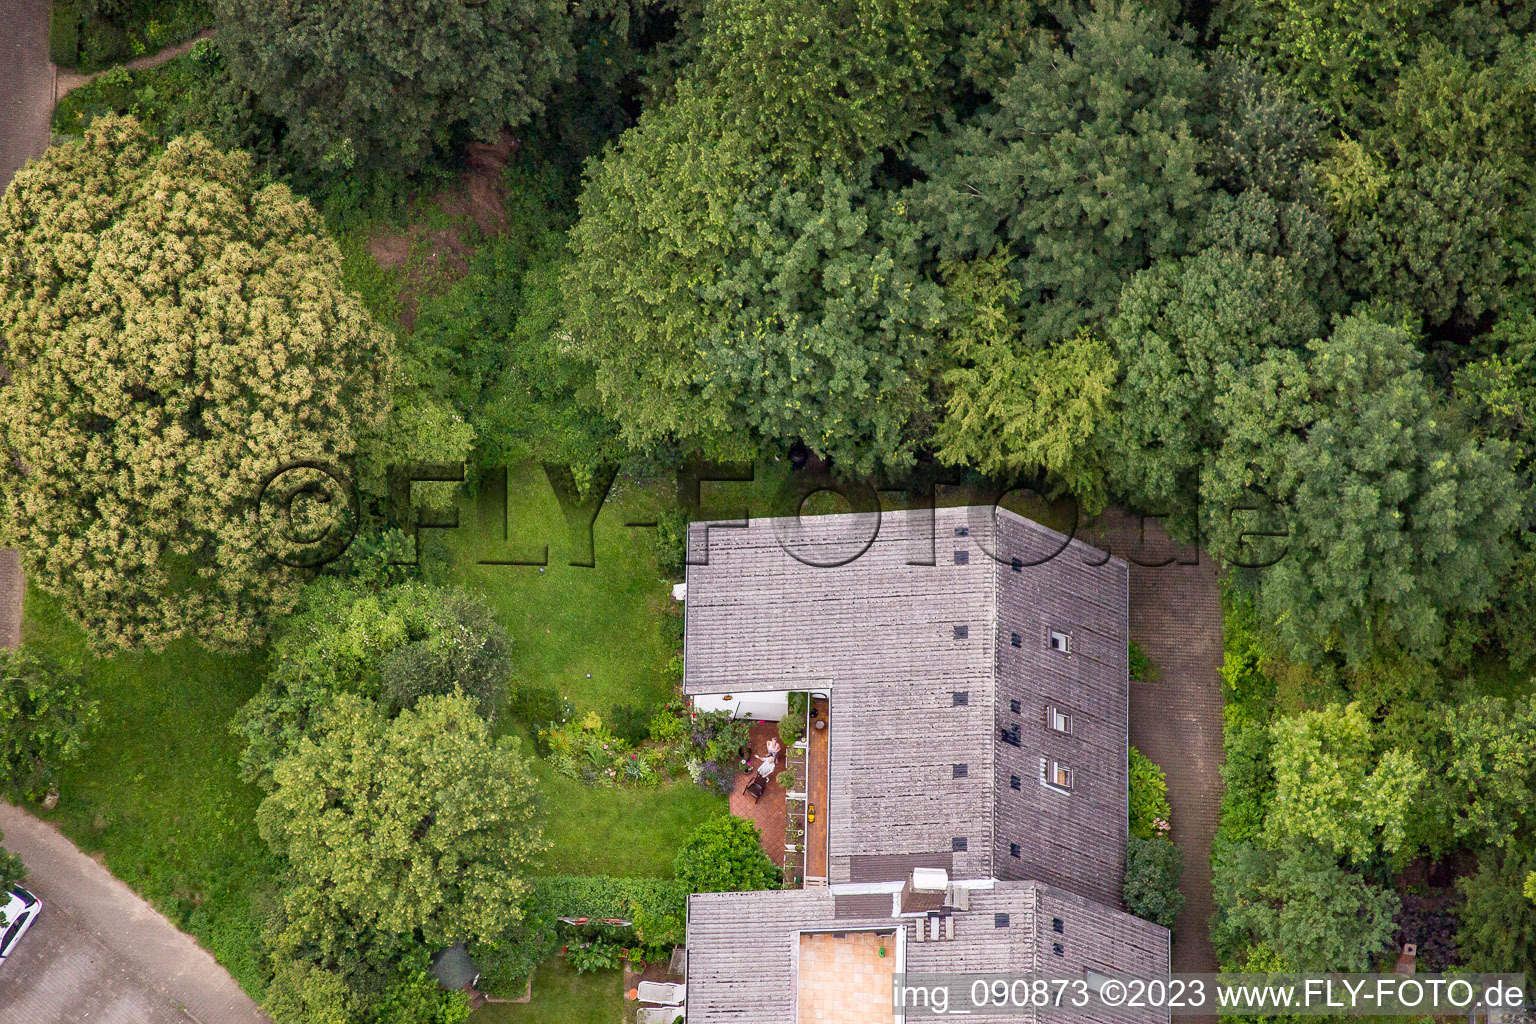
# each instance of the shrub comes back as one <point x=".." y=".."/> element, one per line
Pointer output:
<point x="725" y="855"/>
<point x="1430" y="924"/>
<point x="599" y="956"/>
<point x="12" y="870"/>
<point x="631" y="723"/>
<point x="1143" y="668"/>
<point x="672" y="541"/>
<point x="1152" y="871"/>
<point x="64" y="33"/>
<point x="1150" y="813"/>
<point x="44" y="719"/>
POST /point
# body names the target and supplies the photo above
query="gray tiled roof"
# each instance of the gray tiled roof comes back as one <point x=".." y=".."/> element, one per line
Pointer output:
<point x="742" y="947"/>
<point x="879" y="634"/>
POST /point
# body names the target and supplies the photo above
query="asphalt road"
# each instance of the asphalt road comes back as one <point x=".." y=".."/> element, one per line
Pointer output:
<point x="26" y="84"/>
<point x="99" y="954"/>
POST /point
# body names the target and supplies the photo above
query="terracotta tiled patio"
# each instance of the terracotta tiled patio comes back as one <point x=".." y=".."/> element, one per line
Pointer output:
<point x="844" y="979"/>
<point x="768" y="811"/>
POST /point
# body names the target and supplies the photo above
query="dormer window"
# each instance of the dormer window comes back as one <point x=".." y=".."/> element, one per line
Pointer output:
<point x="1061" y="642"/>
<point x="1056" y="775"/>
<point x="1058" y="720"/>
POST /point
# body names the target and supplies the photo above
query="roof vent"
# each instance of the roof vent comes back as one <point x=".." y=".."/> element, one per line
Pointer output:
<point x="962" y="531"/>
<point x="962" y="558"/>
<point x="929" y="879"/>
<point x="961" y="632"/>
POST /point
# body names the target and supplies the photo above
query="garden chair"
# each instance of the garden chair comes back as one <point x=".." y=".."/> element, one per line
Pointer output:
<point x="659" y="1015"/>
<point x="757" y="787"/>
<point x="666" y="993"/>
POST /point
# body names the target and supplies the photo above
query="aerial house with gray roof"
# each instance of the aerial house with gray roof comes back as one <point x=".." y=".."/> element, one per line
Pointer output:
<point x="970" y="670"/>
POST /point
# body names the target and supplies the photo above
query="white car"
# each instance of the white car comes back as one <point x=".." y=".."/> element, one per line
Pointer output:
<point x="16" y="916"/>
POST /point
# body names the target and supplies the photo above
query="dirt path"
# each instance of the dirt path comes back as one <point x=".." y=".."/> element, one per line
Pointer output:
<point x="1176" y="720"/>
<point x="99" y="953"/>
<point x="69" y="81"/>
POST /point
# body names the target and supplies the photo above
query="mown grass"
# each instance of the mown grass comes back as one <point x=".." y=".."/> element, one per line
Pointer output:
<point x="594" y="634"/>
<point x="157" y="795"/>
<point x="561" y="996"/>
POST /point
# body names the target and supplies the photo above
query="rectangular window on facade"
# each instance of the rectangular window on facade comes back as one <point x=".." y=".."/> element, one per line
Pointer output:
<point x="1061" y="775"/>
<point x="1015" y="706"/>
<point x="1010" y="735"/>
<point x="1061" y="642"/>
<point x="1095" y="979"/>
<point x="1058" y="926"/>
<point x="1013" y="782"/>
<point x="1058" y="949"/>
<point x="1013" y="849"/>
<point x="1013" y="638"/>
<point x="1058" y="720"/>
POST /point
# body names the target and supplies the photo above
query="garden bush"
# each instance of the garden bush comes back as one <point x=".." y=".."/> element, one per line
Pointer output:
<point x="45" y="719"/>
<point x="1153" y="868"/>
<point x="64" y="33"/>
<point x="1150" y="813"/>
<point x="631" y="723"/>
<point x="725" y="855"/>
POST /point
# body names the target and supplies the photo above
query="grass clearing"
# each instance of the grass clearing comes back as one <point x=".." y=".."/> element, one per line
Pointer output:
<point x="157" y="795"/>
<point x="561" y="996"/>
<point x="595" y="635"/>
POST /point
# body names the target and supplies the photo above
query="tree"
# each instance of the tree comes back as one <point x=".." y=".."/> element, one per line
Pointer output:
<point x="1498" y="922"/>
<point x="396" y="645"/>
<point x="421" y="826"/>
<point x="176" y="334"/>
<point x="1332" y="789"/>
<point x="1152" y="871"/>
<point x="725" y="855"/>
<point x="1310" y="911"/>
<point x="1085" y="168"/>
<point x="1186" y="331"/>
<point x="1016" y="411"/>
<point x="390" y="84"/>
<point x="1396" y="515"/>
<point x="725" y="306"/>
<point x="45" y="718"/>
<point x="1492" y="769"/>
<point x="1150" y="814"/>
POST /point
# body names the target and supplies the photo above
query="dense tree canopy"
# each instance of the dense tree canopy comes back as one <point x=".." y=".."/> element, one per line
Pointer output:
<point x="725" y="855"/>
<point x="45" y="719"/>
<point x="175" y="332"/>
<point x="396" y="646"/>
<point x="1396" y="515"/>
<point x="419" y="825"/>
<point x="392" y="82"/>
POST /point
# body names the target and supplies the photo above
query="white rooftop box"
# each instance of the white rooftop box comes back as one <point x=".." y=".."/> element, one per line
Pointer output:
<point x="930" y="879"/>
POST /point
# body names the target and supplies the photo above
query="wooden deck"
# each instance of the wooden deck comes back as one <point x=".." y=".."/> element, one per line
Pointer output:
<point x="816" y="831"/>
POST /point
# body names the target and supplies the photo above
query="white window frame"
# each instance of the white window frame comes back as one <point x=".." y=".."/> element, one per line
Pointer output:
<point x="1058" y="770"/>
<point x="1058" y="720"/>
<point x="1095" y="979"/>
<point x="1061" y="642"/>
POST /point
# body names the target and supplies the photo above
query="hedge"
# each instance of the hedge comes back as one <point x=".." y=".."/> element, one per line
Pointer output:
<point x="64" y="33"/>
<point x="599" y="896"/>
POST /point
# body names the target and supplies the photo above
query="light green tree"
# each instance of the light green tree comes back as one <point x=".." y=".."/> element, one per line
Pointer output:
<point x="1015" y="411"/>
<point x="419" y="826"/>
<point x="176" y="332"/>
<point x="1332" y="789"/>
<point x="1492" y="769"/>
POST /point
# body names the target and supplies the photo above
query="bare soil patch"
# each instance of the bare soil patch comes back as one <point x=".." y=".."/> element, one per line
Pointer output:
<point x="434" y="250"/>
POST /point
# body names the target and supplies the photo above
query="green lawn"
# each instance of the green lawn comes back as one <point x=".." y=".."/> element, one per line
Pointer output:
<point x="594" y="634"/>
<point x="157" y="794"/>
<point x="561" y="996"/>
<point x="567" y="623"/>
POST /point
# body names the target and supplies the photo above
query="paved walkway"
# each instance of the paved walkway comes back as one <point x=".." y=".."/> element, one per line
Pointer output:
<point x="26" y="84"/>
<point x="104" y="954"/>
<point x="1176" y="721"/>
